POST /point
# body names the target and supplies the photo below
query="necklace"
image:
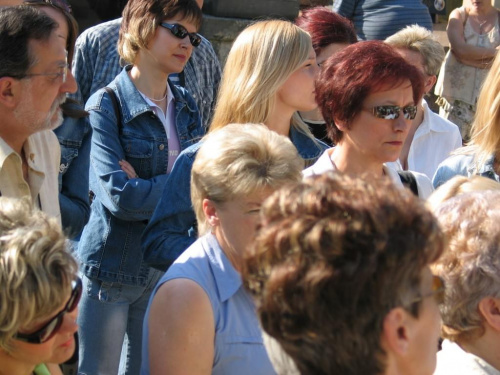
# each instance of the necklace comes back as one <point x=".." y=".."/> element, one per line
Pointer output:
<point x="158" y="100"/>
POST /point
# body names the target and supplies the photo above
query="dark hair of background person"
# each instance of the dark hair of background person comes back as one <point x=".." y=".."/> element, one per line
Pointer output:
<point x="326" y="27"/>
<point x="332" y="256"/>
<point x="19" y="25"/>
<point x="351" y="75"/>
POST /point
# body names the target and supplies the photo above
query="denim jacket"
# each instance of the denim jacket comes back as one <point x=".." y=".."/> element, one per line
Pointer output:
<point x="110" y="245"/>
<point x="463" y="165"/>
<point x="74" y="137"/>
<point x="172" y="228"/>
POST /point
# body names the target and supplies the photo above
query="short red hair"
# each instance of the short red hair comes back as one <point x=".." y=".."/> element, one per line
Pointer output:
<point x="326" y="27"/>
<point x="355" y="72"/>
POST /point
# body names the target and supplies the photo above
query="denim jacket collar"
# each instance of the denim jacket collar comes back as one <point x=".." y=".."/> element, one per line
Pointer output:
<point x="308" y="149"/>
<point x="135" y="104"/>
<point x="486" y="169"/>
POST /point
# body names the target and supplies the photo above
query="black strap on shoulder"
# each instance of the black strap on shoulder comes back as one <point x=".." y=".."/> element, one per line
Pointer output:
<point x="116" y="107"/>
<point x="409" y="181"/>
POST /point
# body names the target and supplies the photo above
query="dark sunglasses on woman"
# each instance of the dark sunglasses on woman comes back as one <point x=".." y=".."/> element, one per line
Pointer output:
<point x="53" y="325"/>
<point x="180" y="32"/>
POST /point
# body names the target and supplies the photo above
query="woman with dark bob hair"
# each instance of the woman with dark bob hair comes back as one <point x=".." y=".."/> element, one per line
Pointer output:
<point x="367" y="94"/>
<point x="329" y="33"/>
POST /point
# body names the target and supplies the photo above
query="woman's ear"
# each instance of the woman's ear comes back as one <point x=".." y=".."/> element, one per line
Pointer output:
<point x="489" y="307"/>
<point x="396" y="332"/>
<point x="341" y="125"/>
<point x="210" y="211"/>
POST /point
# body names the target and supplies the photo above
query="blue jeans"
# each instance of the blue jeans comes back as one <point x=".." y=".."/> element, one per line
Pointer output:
<point x="109" y="312"/>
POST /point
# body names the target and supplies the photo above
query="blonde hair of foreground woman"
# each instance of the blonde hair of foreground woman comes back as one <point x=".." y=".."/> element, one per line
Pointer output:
<point x="261" y="59"/>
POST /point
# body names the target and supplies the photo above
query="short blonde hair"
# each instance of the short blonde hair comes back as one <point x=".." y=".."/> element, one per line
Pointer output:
<point x="460" y="185"/>
<point x="36" y="269"/>
<point x="471" y="264"/>
<point x="418" y="39"/>
<point x="261" y="59"/>
<point x="238" y="160"/>
<point x="142" y="17"/>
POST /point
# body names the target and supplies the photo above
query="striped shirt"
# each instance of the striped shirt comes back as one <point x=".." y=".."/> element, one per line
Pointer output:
<point x="379" y="19"/>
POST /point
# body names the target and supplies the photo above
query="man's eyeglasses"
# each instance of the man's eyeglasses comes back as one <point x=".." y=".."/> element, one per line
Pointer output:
<point x="180" y="32"/>
<point x="63" y="73"/>
<point x="438" y="289"/>
<point x="391" y="112"/>
<point x="50" y="329"/>
<point x="59" y="4"/>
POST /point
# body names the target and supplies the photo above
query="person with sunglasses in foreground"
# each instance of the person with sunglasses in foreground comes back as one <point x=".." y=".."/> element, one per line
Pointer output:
<point x="339" y="284"/>
<point x="471" y="270"/>
<point x="140" y="122"/>
<point x="39" y="291"/>
<point x="368" y="96"/>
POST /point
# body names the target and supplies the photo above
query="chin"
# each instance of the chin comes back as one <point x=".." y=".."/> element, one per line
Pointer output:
<point x="63" y="353"/>
<point x="56" y="120"/>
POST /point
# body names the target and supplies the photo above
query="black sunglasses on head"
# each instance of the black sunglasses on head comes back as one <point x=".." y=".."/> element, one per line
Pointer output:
<point x="59" y="4"/>
<point x="53" y="325"/>
<point x="180" y="32"/>
<point x="391" y="112"/>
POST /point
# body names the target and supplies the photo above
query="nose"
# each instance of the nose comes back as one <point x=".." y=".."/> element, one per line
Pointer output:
<point x="401" y="124"/>
<point x="70" y="86"/>
<point x="69" y="323"/>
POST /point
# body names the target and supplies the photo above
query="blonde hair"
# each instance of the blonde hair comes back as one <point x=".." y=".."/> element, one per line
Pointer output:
<point x="142" y="17"/>
<point x="418" y="39"/>
<point x="470" y="266"/>
<point x="485" y="130"/>
<point x="460" y="185"/>
<point x="36" y="269"/>
<point x="261" y="59"/>
<point x="238" y="160"/>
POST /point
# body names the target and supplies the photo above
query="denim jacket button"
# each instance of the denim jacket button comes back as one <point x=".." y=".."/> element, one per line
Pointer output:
<point x="161" y="147"/>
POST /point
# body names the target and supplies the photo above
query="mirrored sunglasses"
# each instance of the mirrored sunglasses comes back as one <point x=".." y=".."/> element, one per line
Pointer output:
<point x="391" y="112"/>
<point x="180" y="32"/>
<point x="50" y="329"/>
<point x="59" y="4"/>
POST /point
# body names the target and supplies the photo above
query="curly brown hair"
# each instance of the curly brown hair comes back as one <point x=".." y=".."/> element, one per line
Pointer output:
<point x="333" y="255"/>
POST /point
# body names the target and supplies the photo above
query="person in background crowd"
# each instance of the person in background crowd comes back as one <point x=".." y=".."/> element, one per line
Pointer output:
<point x="329" y="34"/>
<point x="379" y="19"/>
<point x="471" y="270"/>
<point x="139" y="125"/>
<point x="482" y="155"/>
<point x="201" y="295"/>
<point x="460" y="185"/>
<point x="74" y="134"/>
<point x="474" y="34"/>
<point x="97" y="63"/>
<point x="268" y="77"/>
<point x="431" y="138"/>
<point x="34" y="80"/>
<point x="39" y="291"/>
<point x="368" y="95"/>
<point x="338" y="283"/>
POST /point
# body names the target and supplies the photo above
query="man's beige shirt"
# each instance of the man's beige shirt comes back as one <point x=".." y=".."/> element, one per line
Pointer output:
<point x="43" y="155"/>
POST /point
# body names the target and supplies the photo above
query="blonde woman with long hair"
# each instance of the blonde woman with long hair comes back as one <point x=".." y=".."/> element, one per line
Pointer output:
<point x="269" y="76"/>
<point x="482" y="155"/>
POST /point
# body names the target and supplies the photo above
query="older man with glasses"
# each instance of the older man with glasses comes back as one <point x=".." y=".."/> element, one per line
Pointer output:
<point x="34" y="81"/>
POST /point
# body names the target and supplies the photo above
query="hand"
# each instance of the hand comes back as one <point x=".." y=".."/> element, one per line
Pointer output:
<point x="128" y="169"/>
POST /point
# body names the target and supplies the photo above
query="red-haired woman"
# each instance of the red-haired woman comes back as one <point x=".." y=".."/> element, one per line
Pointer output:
<point x="329" y="33"/>
<point x="367" y="94"/>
